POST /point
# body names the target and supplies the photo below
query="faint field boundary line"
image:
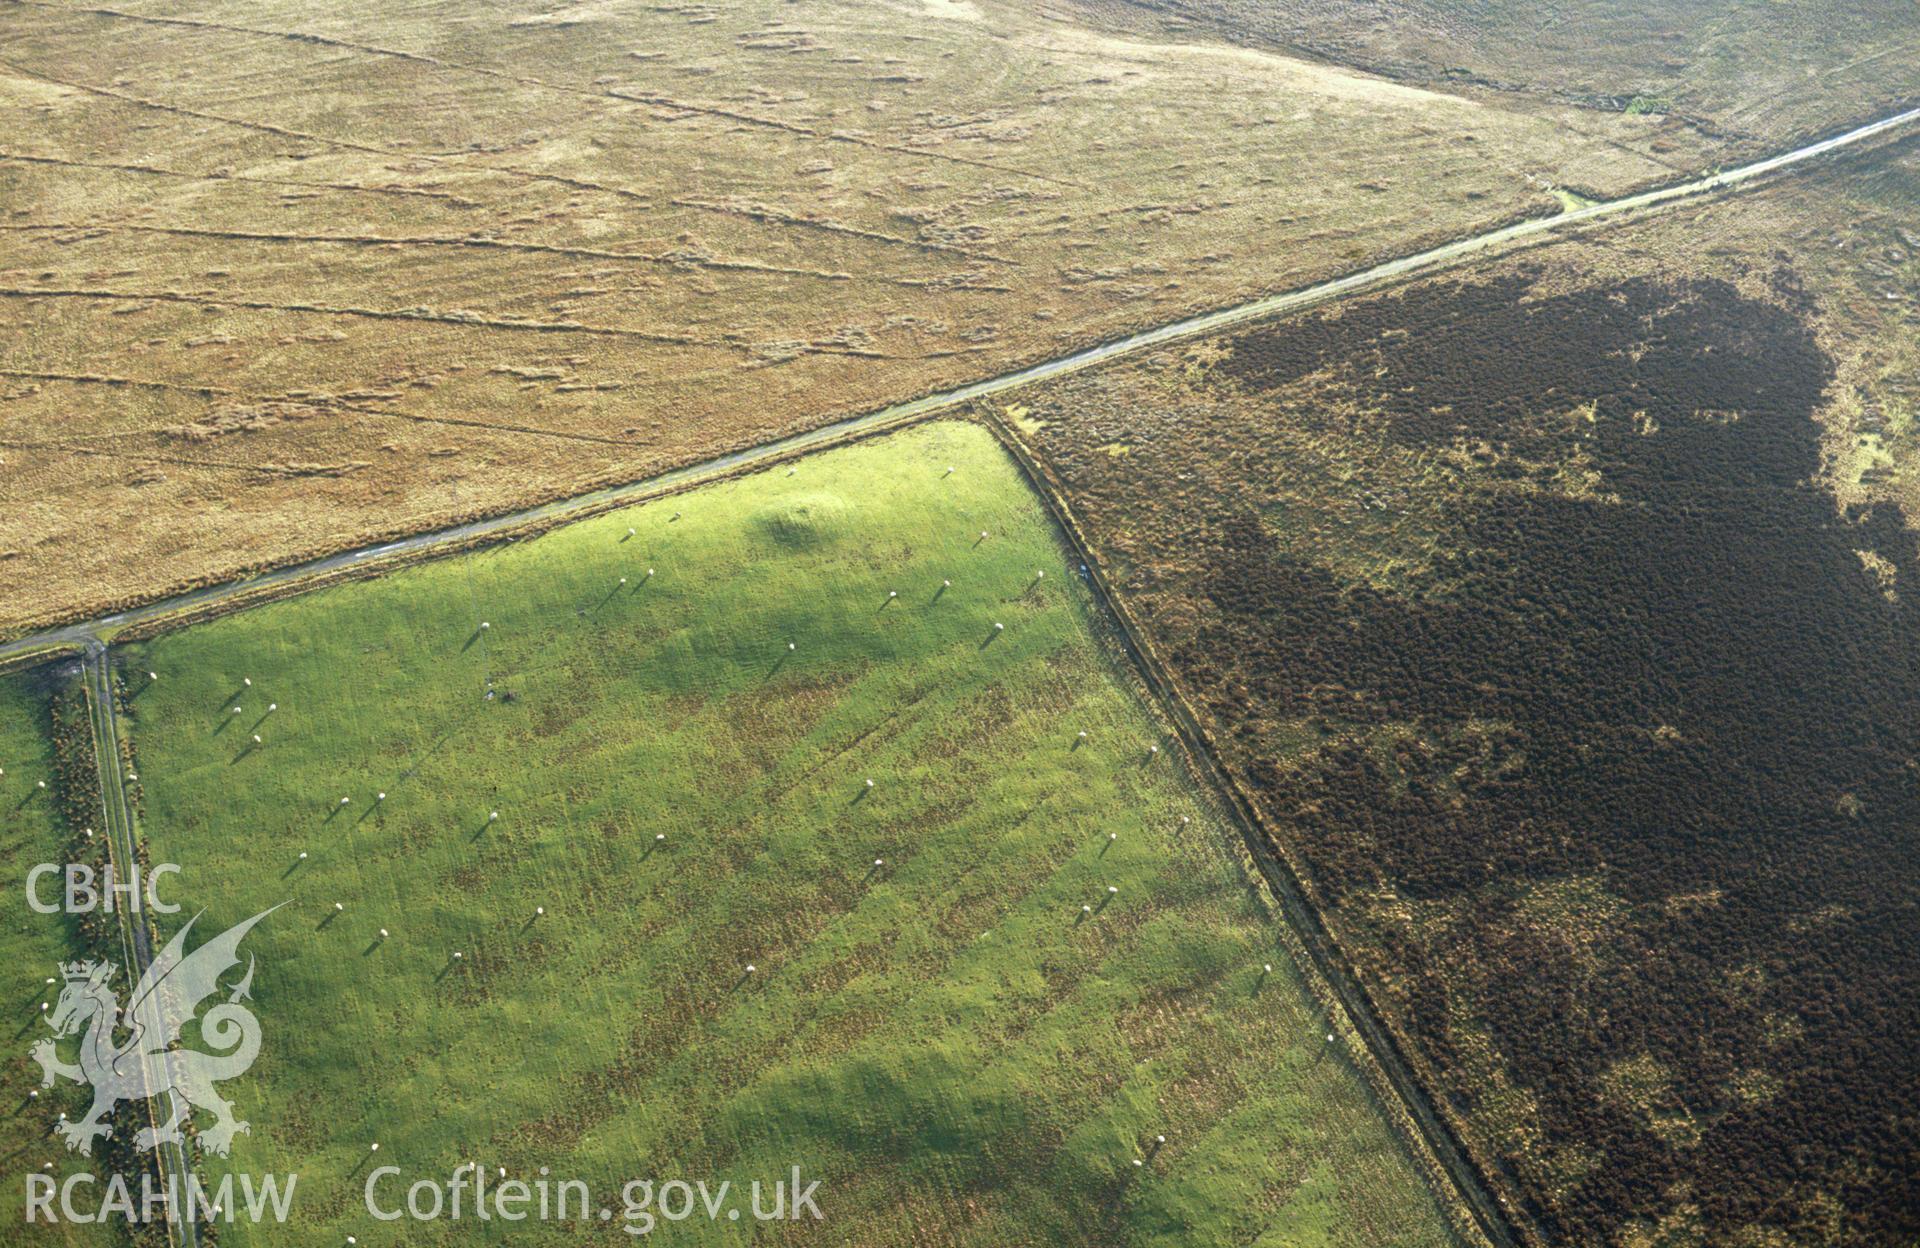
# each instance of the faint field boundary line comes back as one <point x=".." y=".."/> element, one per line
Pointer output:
<point x="754" y="350"/>
<point x="456" y="160"/>
<point x="317" y="404"/>
<point x="110" y="379"/>
<point x="677" y="260"/>
<point x="383" y="314"/>
<point x="100" y="452"/>
<point x="1393" y="1078"/>
<point x="263" y="127"/>
<point x="755" y="211"/>
<point x="473" y="319"/>
<point x="158" y="171"/>
<point x="526" y="80"/>
<point x="1908" y="48"/>
<point x="198" y="593"/>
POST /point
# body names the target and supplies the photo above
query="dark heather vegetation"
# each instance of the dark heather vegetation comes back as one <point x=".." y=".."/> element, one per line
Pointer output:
<point x="1590" y="721"/>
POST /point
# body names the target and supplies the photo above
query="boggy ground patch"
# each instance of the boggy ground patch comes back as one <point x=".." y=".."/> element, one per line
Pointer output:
<point x="1614" y="809"/>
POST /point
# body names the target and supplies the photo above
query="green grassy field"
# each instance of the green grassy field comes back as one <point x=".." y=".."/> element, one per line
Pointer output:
<point x="32" y="831"/>
<point x="947" y="1041"/>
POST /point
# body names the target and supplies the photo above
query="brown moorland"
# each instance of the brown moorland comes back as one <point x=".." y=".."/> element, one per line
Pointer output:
<point x="1750" y="75"/>
<point x="278" y="280"/>
<point x="1558" y="615"/>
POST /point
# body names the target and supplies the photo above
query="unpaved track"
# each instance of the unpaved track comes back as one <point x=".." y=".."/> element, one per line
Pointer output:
<point x="90" y="636"/>
<point x="78" y="634"/>
<point x="97" y="672"/>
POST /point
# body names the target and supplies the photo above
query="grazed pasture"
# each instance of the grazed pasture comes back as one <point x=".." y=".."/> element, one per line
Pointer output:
<point x="934" y="1027"/>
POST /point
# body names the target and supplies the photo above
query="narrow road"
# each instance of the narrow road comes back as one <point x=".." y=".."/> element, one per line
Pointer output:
<point x="88" y="636"/>
<point x="80" y="634"/>
<point x="97" y="672"/>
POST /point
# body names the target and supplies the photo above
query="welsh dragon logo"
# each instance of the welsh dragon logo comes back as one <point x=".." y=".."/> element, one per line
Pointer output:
<point x="147" y="1064"/>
